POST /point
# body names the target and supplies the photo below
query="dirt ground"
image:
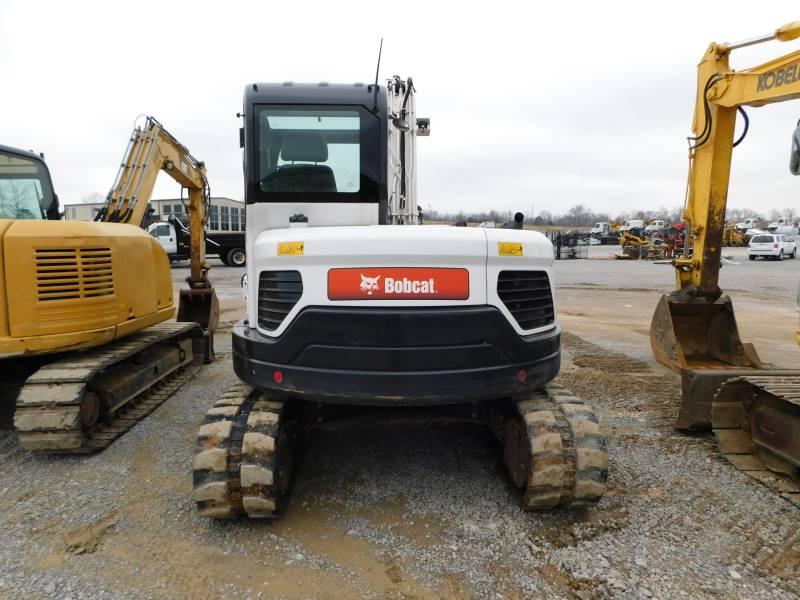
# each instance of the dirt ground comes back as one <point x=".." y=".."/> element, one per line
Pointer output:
<point x="425" y="511"/>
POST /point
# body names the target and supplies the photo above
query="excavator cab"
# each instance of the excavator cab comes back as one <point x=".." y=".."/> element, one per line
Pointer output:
<point x="26" y="190"/>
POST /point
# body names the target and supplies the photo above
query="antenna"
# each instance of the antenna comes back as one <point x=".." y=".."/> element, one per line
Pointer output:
<point x="377" y="70"/>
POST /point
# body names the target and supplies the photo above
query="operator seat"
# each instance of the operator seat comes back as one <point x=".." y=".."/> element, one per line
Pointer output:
<point x="304" y="147"/>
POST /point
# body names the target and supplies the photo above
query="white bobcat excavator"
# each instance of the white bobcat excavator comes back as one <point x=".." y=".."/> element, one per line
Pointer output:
<point x="353" y="308"/>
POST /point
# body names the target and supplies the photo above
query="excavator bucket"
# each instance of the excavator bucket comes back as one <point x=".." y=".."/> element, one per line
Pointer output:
<point x="699" y="338"/>
<point x="699" y="334"/>
<point x="200" y="305"/>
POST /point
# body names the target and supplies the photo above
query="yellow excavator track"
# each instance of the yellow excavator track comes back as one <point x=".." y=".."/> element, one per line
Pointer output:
<point x="84" y="401"/>
<point x="756" y="420"/>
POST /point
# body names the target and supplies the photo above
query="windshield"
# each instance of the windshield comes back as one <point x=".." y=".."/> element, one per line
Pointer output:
<point x="309" y="151"/>
<point x="316" y="154"/>
<point x="25" y="191"/>
<point x="763" y="239"/>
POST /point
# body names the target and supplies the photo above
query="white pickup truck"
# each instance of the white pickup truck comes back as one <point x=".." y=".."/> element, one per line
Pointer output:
<point x="174" y="238"/>
<point x="600" y="229"/>
<point x="655" y="225"/>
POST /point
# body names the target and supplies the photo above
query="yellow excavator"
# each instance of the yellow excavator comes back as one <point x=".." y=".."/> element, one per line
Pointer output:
<point x="754" y="412"/>
<point x="733" y="236"/>
<point x="636" y="247"/>
<point x="84" y="337"/>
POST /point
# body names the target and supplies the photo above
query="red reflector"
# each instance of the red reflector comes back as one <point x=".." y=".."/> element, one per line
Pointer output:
<point x="774" y="245"/>
<point x="277" y="377"/>
<point x="522" y="376"/>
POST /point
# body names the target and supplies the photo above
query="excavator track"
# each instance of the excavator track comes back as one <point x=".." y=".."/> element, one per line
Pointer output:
<point x="244" y="456"/>
<point x="554" y="450"/>
<point x="83" y="402"/>
<point x="756" y="421"/>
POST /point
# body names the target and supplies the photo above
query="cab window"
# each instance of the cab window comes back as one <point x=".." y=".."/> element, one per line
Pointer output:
<point x="25" y="191"/>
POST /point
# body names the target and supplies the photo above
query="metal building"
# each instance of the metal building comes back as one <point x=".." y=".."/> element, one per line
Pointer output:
<point x="225" y="214"/>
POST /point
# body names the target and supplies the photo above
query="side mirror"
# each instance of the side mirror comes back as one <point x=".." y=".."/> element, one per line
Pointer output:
<point x="794" y="158"/>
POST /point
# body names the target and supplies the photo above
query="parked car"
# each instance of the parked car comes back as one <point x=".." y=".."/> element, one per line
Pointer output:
<point x="770" y="245"/>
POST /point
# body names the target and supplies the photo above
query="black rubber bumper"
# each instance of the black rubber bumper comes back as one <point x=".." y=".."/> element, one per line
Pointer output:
<point x="397" y="356"/>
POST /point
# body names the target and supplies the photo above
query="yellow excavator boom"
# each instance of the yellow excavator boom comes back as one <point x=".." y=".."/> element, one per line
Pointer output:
<point x="153" y="149"/>
<point x="695" y="327"/>
<point x="753" y="411"/>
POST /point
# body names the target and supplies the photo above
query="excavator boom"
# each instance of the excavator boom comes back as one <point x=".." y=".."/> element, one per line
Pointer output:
<point x="153" y="149"/>
<point x="695" y="326"/>
<point x="694" y="329"/>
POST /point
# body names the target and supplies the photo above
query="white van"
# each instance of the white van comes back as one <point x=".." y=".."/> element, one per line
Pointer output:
<point x="770" y="245"/>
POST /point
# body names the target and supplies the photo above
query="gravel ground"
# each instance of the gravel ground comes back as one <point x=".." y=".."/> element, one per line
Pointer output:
<point x="413" y="510"/>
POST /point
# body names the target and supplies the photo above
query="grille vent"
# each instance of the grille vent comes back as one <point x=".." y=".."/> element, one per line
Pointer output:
<point x="278" y="292"/>
<point x="73" y="273"/>
<point x="527" y="296"/>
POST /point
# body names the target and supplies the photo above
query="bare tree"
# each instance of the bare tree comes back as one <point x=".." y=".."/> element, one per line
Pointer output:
<point x="18" y="199"/>
<point x="93" y="198"/>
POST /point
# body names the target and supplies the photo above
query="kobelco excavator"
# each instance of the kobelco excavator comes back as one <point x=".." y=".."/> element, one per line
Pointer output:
<point x="354" y="309"/>
<point x="83" y="305"/>
<point x="754" y="412"/>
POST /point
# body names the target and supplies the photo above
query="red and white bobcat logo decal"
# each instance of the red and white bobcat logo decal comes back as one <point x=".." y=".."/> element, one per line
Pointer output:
<point x="398" y="283"/>
<point x="369" y="284"/>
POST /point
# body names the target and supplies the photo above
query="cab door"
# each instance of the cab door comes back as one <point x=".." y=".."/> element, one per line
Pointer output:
<point x="165" y="234"/>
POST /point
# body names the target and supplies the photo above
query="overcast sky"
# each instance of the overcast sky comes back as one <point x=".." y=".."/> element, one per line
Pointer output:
<point x="549" y="104"/>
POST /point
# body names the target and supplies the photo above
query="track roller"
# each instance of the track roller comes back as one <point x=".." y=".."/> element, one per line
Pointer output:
<point x="244" y="456"/>
<point x="84" y="401"/>
<point x="756" y="421"/>
<point x="554" y="451"/>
